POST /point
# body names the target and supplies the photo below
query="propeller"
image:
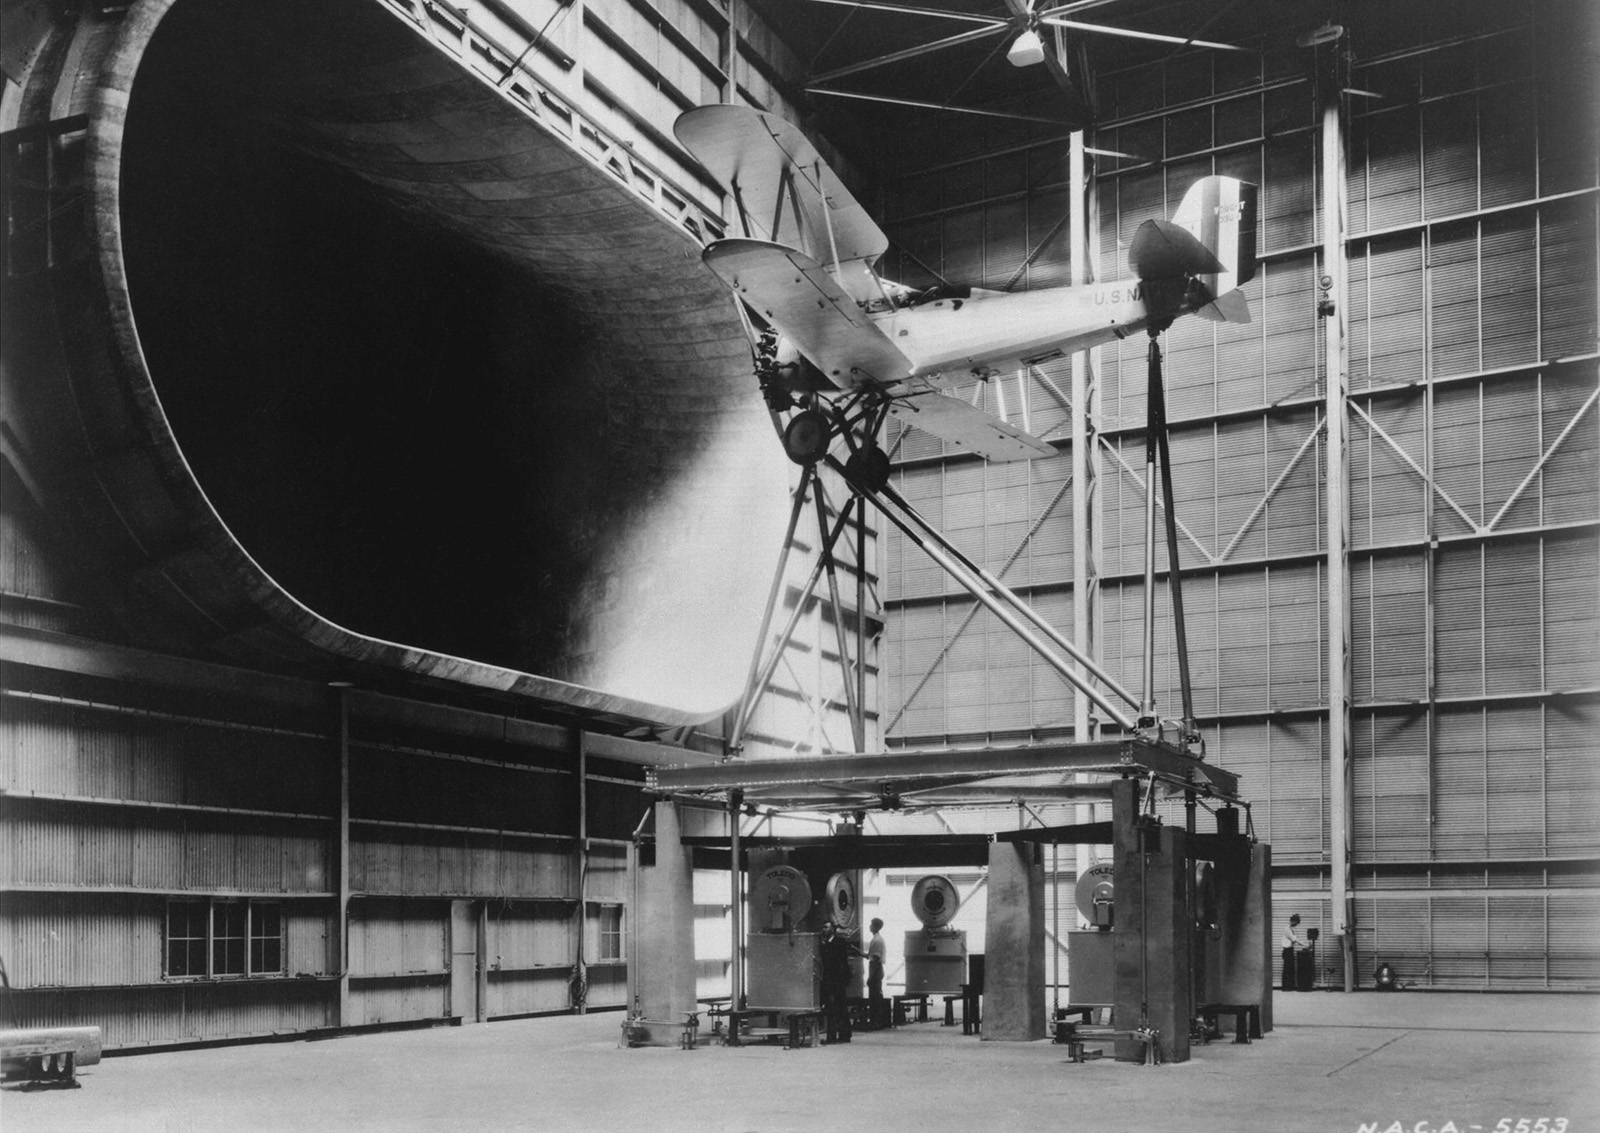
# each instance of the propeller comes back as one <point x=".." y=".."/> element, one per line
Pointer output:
<point x="1166" y="257"/>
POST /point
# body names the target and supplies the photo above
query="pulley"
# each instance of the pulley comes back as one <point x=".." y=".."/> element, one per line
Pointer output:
<point x="780" y="898"/>
<point x="934" y="900"/>
<point x="1094" y="895"/>
<point x="840" y="899"/>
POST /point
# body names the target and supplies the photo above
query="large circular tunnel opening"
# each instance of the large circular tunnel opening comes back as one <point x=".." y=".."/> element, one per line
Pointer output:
<point x="408" y="430"/>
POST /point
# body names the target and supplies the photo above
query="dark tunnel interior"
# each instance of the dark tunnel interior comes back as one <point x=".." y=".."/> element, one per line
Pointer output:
<point x="390" y="418"/>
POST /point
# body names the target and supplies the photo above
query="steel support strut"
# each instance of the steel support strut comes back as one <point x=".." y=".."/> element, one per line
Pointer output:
<point x="1157" y="428"/>
<point x="759" y="686"/>
<point x="1147" y="687"/>
<point x="984" y="587"/>
<point x="840" y="636"/>
<point x="752" y="692"/>
<point x="996" y="586"/>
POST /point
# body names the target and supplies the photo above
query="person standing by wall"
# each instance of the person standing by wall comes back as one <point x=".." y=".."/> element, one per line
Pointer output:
<point x="1293" y="945"/>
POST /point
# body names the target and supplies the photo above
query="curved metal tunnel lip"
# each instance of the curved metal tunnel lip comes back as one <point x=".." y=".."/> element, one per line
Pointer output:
<point x="152" y="430"/>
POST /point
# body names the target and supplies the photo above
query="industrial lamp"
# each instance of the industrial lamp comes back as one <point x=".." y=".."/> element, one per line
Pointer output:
<point x="1026" y="50"/>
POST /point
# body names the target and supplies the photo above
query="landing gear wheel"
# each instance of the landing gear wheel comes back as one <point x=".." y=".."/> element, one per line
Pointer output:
<point x="806" y="436"/>
<point x="869" y="468"/>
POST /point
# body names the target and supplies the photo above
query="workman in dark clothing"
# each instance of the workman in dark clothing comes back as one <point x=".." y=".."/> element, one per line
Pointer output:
<point x="836" y="953"/>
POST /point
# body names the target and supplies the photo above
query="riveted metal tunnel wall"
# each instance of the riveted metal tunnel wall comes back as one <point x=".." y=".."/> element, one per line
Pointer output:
<point x="362" y="356"/>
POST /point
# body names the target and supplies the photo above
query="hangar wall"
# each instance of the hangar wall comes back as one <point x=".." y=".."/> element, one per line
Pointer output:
<point x="1473" y="440"/>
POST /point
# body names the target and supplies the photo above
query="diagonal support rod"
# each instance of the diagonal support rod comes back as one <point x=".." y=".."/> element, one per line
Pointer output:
<point x="753" y="694"/>
<point x="1144" y="487"/>
<point x="1405" y="456"/>
<point x="1542" y="461"/>
<point x="997" y="587"/>
<point x="985" y="587"/>
<point x="1049" y="509"/>
<point x="838" y="615"/>
<point x="1255" y="513"/>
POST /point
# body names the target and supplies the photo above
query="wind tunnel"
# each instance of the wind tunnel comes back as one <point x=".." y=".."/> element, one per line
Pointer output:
<point x="363" y="363"/>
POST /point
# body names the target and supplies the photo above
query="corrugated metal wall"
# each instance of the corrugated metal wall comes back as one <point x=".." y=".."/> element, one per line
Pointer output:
<point x="1474" y="438"/>
<point x="123" y="796"/>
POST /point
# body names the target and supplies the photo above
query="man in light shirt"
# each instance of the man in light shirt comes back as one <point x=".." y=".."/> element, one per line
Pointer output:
<point x="877" y="954"/>
<point x="1292" y="947"/>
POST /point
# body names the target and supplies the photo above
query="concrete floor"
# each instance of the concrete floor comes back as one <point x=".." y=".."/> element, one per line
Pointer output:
<point x="1335" y="1062"/>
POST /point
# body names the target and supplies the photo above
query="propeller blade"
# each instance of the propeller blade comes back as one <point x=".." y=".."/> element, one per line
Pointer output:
<point x="1163" y="250"/>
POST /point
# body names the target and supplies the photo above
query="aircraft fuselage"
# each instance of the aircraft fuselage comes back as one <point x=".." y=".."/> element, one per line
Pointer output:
<point x="1003" y="331"/>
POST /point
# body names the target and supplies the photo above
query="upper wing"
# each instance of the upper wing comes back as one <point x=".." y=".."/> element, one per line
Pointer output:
<point x="806" y="304"/>
<point x="960" y="423"/>
<point x="782" y="187"/>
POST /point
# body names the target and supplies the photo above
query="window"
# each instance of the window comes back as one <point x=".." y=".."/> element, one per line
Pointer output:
<point x="186" y="937"/>
<point x="227" y="939"/>
<point x="610" y="932"/>
<point x="223" y="938"/>
<point x="266" y="939"/>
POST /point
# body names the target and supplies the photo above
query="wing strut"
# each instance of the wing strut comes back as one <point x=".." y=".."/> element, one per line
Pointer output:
<point x="827" y="222"/>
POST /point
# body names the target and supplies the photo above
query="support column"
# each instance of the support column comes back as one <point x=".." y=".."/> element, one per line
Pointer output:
<point x="1244" y="919"/>
<point x="1014" y="967"/>
<point x="341" y="918"/>
<point x="1085" y="498"/>
<point x="664" y="983"/>
<point x="1151" y="939"/>
<point x="1258" y="910"/>
<point x="578" y="985"/>
<point x="1334" y="309"/>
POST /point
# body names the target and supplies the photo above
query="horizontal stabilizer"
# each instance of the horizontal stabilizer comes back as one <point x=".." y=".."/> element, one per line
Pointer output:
<point x="1230" y="308"/>
<point x="1164" y="250"/>
<point x="964" y="424"/>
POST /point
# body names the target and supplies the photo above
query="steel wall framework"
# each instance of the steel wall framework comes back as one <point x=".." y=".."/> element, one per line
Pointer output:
<point x="1472" y="447"/>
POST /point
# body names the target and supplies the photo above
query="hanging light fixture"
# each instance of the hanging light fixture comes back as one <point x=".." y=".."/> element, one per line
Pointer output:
<point x="1026" y="50"/>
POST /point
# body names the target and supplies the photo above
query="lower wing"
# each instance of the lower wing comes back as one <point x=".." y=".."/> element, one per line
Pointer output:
<point x="960" y="423"/>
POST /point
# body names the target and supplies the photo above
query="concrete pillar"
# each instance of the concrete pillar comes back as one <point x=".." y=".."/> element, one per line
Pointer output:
<point x="664" y="981"/>
<point x="1014" y="967"/>
<point x="1152" y="935"/>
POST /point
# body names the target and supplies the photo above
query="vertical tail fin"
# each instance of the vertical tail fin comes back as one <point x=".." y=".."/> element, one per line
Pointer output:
<point x="1221" y="213"/>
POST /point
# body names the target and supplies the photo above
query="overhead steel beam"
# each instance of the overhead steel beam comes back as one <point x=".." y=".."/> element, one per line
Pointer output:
<point x="908" y="10"/>
<point x="1129" y="33"/>
<point x="909" y="53"/>
<point x="1115" y="757"/>
<point x="918" y="105"/>
<point x="1045" y="793"/>
<point x="1080" y="833"/>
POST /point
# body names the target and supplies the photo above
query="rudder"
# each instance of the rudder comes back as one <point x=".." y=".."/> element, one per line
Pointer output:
<point x="1221" y="213"/>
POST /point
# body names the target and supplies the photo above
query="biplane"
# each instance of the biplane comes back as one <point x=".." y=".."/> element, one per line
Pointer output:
<point x="850" y="348"/>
